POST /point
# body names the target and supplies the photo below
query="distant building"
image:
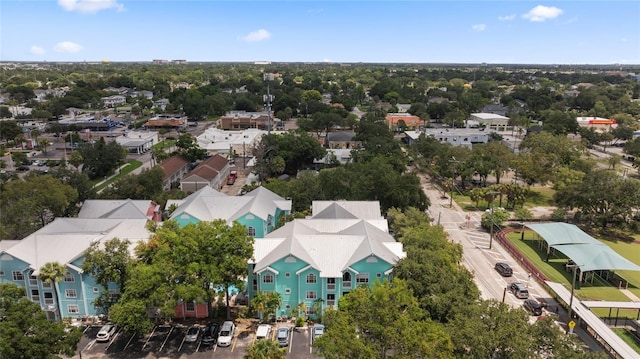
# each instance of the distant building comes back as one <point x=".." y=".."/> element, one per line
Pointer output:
<point x="212" y="172"/>
<point x="174" y="169"/>
<point x="597" y="123"/>
<point x="411" y="122"/>
<point x="491" y="121"/>
<point x="113" y="101"/>
<point x="242" y="120"/>
<point x="241" y="142"/>
<point x="120" y="209"/>
<point x="167" y="121"/>
<point x="138" y="142"/>
<point x="455" y="136"/>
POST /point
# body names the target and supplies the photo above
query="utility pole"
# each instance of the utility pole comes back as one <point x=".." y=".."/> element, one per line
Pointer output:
<point x="267" y="100"/>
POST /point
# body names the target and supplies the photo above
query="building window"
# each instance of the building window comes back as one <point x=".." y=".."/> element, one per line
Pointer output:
<point x="71" y="293"/>
<point x="331" y="283"/>
<point x="17" y="276"/>
<point x="287" y="275"/>
<point x="346" y="280"/>
<point x="267" y="278"/>
<point x="362" y="278"/>
<point x="48" y="298"/>
<point x="311" y="278"/>
<point x="287" y="291"/>
<point x="251" y="232"/>
<point x="311" y="294"/>
<point x="310" y="310"/>
<point x="331" y="299"/>
<point x="191" y="306"/>
<point x="287" y="307"/>
<point x="378" y="275"/>
<point x="46" y="284"/>
<point x="68" y="277"/>
<point x="73" y="309"/>
<point x="96" y="289"/>
<point x="255" y="285"/>
<point x="35" y="295"/>
<point x="290" y="259"/>
<point x="33" y="281"/>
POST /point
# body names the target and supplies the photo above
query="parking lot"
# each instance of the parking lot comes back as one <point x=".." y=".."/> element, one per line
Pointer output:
<point x="168" y="341"/>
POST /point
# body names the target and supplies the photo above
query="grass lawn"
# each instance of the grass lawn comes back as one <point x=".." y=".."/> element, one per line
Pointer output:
<point x="163" y="145"/>
<point x="129" y="167"/>
<point x="541" y="196"/>
<point x="628" y="338"/>
<point x="595" y="289"/>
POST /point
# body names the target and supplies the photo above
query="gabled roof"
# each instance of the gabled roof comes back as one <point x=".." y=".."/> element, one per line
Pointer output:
<point x="207" y="169"/>
<point x="65" y="239"/>
<point x="172" y="165"/>
<point x="328" y="245"/>
<point x="119" y="209"/>
<point x="208" y="204"/>
<point x="355" y="209"/>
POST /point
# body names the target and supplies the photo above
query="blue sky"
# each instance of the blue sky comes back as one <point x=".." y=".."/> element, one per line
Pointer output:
<point x="514" y="31"/>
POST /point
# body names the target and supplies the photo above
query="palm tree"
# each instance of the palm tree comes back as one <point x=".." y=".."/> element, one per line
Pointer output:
<point x="53" y="272"/>
<point x="20" y="139"/>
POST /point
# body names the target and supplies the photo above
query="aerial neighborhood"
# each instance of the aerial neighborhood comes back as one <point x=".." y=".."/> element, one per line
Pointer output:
<point x="371" y="210"/>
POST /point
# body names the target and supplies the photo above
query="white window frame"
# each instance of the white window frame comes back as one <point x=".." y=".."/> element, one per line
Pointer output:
<point x="33" y="280"/>
<point x="35" y="297"/>
<point x="17" y="276"/>
<point x="48" y="300"/>
<point x="69" y="278"/>
<point x="46" y="284"/>
<point x="73" y="309"/>
<point x="311" y="295"/>
<point x="70" y="293"/>
<point x="96" y="290"/>
<point x="312" y="278"/>
<point x="190" y="306"/>
<point x="287" y="291"/>
<point x="251" y="231"/>
<point x="331" y="286"/>
<point x="270" y="276"/>
<point x="362" y="278"/>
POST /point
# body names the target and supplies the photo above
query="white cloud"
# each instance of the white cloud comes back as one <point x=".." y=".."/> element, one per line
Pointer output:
<point x="479" y="27"/>
<point x="259" y="35"/>
<point x="37" y="50"/>
<point x="90" y="6"/>
<point x="507" y="18"/>
<point x="67" y="46"/>
<point x="542" y="13"/>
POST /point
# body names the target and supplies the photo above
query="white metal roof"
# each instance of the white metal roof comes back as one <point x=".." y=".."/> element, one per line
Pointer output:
<point x="126" y="208"/>
<point x="328" y="245"/>
<point x="65" y="239"/>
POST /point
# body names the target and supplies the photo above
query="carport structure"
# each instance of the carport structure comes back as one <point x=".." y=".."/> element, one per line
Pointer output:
<point x="587" y="253"/>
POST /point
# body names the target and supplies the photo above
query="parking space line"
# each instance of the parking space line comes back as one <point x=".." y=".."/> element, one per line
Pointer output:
<point x="181" y="344"/>
<point x="165" y="339"/>
<point x="129" y="342"/>
<point x="89" y="345"/>
<point x="149" y="338"/>
<point x="86" y="328"/>
<point x="112" y="340"/>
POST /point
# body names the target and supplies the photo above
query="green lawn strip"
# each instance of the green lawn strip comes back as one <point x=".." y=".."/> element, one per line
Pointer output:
<point x="628" y="338"/>
<point x="540" y="196"/>
<point x="163" y="145"/>
<point x="127" y="169"/>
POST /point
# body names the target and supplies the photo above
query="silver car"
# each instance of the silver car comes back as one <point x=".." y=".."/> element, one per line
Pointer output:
<point x="283" y="336"/>
<point x="106" y="332"/>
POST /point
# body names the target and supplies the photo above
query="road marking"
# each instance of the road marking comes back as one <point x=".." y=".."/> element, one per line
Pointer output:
<point x="149" y="338"/>
<point x="165" y="339"/>
<point x="111" y="340"/>
<point x="129" y="342"/>
<point x="89" y="345"/>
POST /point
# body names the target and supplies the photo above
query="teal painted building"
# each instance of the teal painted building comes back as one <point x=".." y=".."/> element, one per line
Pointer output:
<point x="319" y="259"/>
<point x="64" y="241"/>
<point x="257" y="210"/>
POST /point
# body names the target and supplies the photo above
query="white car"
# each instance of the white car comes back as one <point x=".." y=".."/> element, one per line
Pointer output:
<point x="318" y="330"/>
<point x="226" y="334"/>
<point x="106" y="332"/>
<point x="263" y="331"/>
<point x="192" y="334"/>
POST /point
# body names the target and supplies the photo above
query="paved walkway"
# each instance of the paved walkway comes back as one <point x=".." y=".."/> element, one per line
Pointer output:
<point x="630" y="294"/>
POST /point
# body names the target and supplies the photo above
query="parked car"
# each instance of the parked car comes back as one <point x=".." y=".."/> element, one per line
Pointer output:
<point x="504" y="269"/>
<point x="210" y="333"/>
<point x="318" y="330"/>
<point x="533" y="306"/>
<point x="106" y="333"/>
<point x="192" y="334"/>
<point x="226" y="333"/>
<point x="263" y="331"/>
<point x="519" y="290"/>
<point x="23" y="168"/>
<point x="283" y="336"/>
